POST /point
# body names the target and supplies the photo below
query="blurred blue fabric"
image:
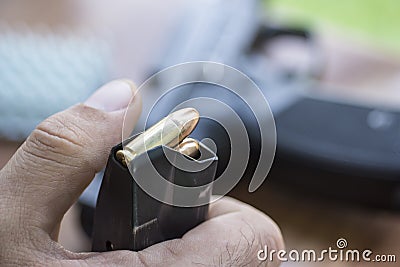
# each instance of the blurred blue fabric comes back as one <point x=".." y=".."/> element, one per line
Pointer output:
<point x="41" y="74"/>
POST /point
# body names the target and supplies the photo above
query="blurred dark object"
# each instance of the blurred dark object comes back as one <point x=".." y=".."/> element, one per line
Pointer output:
<point x="333" y="149"/>
<point x="344" y="152"/>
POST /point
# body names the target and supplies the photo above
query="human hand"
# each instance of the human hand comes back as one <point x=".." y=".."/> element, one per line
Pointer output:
<point x="60" y="158"/>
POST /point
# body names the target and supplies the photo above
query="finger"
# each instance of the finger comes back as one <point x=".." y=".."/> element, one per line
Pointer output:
<point x="235" y="230"/>
<point x="61" y="156"/>
<point x="226" y="205"/>
<point x="232" y="236"/>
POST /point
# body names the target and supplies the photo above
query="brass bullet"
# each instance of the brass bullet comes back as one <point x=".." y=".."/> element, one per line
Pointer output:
<point x="170" y="131"/>
<point x="189" y="147"/>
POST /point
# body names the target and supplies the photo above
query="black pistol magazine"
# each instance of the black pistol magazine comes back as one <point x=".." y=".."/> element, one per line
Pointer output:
<point x="127" y="218"/>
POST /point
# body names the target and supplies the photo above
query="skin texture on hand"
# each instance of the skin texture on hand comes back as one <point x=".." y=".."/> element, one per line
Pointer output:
<point x="60" y="158"/>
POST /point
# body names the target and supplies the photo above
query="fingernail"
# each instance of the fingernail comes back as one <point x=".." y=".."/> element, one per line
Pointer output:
<point x="112" y="96"/>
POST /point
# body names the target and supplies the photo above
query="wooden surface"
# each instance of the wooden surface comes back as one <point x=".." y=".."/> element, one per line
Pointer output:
<point x="311" y="223"/>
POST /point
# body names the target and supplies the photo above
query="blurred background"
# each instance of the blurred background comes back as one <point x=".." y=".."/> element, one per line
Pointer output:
<point x="329" y="69"/>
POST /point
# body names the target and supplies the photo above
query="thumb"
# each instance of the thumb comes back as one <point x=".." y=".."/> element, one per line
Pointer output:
<point x="61" y="156"/>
